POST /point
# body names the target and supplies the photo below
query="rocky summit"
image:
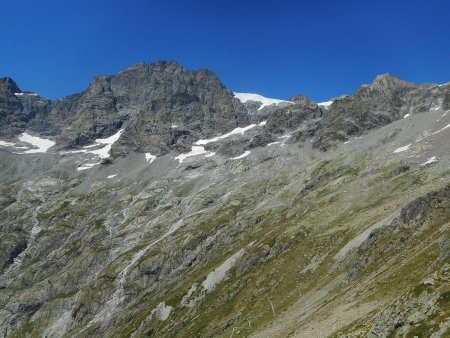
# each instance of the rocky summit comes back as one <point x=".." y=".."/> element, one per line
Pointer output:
<point x="158" y="203"/>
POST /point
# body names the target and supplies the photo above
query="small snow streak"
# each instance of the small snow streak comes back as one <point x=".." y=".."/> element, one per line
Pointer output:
<point x="245" y="154"/>
<point x="401" y="149"/>
<point x="236" y="131"/>
<point x="430" y="160"/>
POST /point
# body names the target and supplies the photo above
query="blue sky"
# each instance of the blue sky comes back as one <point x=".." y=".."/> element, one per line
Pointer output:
<point x="275" y="48"/>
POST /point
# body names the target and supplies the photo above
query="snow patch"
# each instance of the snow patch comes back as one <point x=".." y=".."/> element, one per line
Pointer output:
<point x="273" y="143"/>
<point x="41" y="143"/>
<point x="265" y="101"/>
<point x="149" y="157"/>
<point x="401" y="149"/>
<point x="6" y="144"/>
<point x="431" y="160"/>
<point x="112" y="176"/>
<point x="109" y="141"/>
<point x="245" y="154"/>
<point x="101" y="153"/>
<point x="407" y="115"/>
<point x="196" y="150"/>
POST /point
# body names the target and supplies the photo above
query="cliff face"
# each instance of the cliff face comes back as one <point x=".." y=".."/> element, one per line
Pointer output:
<point x="158" y="203"/>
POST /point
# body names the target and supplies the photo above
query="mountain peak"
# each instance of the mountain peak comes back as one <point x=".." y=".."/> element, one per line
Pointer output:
<point x="7" y="84"/>
<point x="389" y="80"/>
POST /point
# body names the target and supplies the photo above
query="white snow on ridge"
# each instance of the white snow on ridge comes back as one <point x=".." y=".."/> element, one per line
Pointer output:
<point x="22" y="94"/>
<point x="244" y="97"/>
<point x="112" y="176"/>
<point x="245" y="154"/>
<point x="407" y="115"/>
<point x="326" y="104"/>
<point x="42" y="144"/>
<point x="399" y="150"/>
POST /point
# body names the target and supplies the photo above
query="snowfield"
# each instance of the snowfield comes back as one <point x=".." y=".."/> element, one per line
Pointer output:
<point x="41" y="143"/>
<point x="245" y="97"/>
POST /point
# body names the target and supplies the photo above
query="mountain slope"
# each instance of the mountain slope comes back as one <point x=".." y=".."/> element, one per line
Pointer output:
<point x="262" y="233"/>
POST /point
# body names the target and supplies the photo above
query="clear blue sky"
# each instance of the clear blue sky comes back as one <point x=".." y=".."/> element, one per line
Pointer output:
<point x="275" y="48"/>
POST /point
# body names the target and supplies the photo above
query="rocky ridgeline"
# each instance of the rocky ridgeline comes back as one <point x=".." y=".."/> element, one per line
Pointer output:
<point x="164" y="107"/>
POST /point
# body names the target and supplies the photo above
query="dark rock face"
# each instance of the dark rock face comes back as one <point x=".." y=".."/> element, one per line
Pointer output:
<point x="180" y="107"/>
<point x="292" y="117"/>
<point x="16" y="111"/>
